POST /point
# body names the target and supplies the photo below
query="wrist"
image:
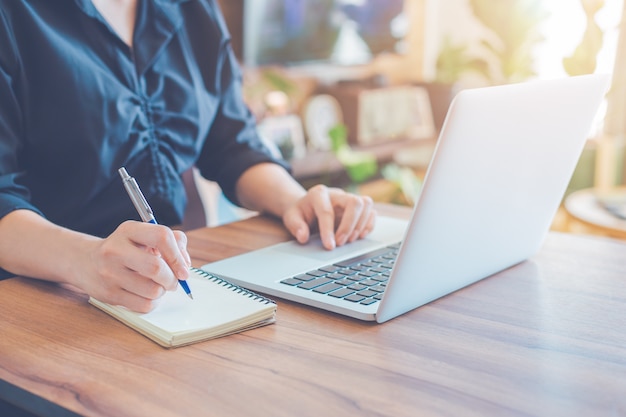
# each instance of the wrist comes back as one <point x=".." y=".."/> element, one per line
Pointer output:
<point x="75" y="263"/>
<point x="254" y="194"/>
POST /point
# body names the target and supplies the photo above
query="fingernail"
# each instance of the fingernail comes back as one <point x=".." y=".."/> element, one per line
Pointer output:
<point x="301" y="235"/>
<point x="341" y="239"/>
<point x="182" y="273"/>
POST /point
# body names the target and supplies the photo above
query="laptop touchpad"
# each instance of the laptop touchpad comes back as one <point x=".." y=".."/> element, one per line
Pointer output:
<point x="315" y="250"/>
<point x="387" y="231"/>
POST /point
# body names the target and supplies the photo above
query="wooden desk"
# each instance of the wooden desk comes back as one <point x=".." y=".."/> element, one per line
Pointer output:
<point x="544" y="338"/>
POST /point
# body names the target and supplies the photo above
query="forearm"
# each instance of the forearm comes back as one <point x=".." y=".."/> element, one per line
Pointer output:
<point x="32" y="246"/>
<point x="133" y="266"/>
<point x="268" y="188"/>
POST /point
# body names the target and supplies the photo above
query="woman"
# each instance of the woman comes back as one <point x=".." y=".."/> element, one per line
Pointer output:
<point x="89" y="86"/>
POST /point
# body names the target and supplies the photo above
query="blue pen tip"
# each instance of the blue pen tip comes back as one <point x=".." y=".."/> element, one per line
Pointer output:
<point x="186" y="288"/>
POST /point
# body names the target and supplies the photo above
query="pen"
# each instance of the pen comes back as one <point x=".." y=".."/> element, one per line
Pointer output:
<point x="144" y="210"/>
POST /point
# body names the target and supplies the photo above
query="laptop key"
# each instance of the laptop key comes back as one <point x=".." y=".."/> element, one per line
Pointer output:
<point x="367" y="293"/>
<point x="315" y="283"/>
<point x="341" y="293"/>
<point x="304" y="277"/>
<point x="330" y="268"/>
<point x="364" y="257"/>
<point x="355" y="278"/>
<point x="378" y="288"/>
<point x="355" y="298"/>
<point x="368" y="301"/>
<point x="326" y="288"/>
<point x="291" y="281"/>
<point x="357" y="287"/>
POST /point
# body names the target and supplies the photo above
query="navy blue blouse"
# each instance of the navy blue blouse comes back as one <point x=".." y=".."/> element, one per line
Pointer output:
<point x="76" y="104"/>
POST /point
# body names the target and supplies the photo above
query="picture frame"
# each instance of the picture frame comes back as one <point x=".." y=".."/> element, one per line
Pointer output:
<point x="402" y="112"/>
<point x="423" y="126"/>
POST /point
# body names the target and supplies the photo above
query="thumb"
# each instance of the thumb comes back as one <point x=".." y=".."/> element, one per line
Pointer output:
<point x="296" y="224"/>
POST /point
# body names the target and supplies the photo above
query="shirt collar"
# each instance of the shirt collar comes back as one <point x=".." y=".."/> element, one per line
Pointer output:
<point x="153" y="29"/>
<point x="157" y="22"/>
<point x="88" y="7"/>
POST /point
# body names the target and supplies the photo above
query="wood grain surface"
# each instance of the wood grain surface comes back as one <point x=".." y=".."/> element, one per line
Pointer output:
<point x="544" y="338"/>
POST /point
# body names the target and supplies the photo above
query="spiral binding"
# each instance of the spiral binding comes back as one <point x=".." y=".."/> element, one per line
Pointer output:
<point x="235" y="288"/>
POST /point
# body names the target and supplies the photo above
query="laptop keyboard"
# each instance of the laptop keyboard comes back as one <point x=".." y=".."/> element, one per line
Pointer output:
<point x="361" y="279"/>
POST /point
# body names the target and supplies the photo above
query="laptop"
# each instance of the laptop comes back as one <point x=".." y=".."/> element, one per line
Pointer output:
<point x="501" y="166"/>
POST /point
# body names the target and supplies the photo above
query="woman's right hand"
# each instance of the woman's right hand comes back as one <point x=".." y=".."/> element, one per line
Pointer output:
<point x="135" y="265"/>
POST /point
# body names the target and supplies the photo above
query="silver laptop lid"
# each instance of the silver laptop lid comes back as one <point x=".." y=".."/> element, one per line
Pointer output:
<point x="502" y="164"/>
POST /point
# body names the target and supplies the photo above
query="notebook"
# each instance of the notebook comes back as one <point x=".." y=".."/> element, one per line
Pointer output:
<point x="503" y="160"/>
<point x="218" y="308"/>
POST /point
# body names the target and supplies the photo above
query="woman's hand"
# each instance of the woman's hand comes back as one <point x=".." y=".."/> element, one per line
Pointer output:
<point x="132" y="267"/>
<point x="136" y="265"/>
<point x="340" y="217"/>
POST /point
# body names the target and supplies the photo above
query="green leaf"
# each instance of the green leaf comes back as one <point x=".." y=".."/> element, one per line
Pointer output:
<point x="406" y="180"/>
<point x="338" y="137"/>
<point x="359" y="166"/>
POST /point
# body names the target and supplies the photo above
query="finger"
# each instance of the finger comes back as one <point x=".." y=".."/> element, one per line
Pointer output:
<point x="119" y="285"/>
<point x="370" y="224"/>
<point x="162" y="262"/>
<point x="181" y="240"/>
<point x="151" y="266"/>
<point x="142" y="287"/>
<point x="297" y="225"/>
<point x="366" y="225"/>
<point x="325" y="214"/>
<point x="134" y="302"/>
<point x="162" y="238"/>
<point x="353" y="207"/>
<point x="363" y="220"/>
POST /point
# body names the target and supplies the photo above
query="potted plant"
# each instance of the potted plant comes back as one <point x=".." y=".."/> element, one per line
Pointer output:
<point x="506" y="54"/>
